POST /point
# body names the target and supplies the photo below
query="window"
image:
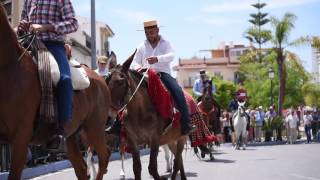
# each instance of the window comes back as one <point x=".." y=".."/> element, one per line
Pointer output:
<point x="218" y="74"/>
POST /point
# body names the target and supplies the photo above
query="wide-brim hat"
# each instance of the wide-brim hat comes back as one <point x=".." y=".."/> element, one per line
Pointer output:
<point x="150" y="23"/>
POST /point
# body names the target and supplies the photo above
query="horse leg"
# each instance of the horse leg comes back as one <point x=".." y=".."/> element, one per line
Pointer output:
<point x="96" y="139"/>
<point x="91" y="170"/>
<point x="19" y="157"/>
<point x="167" y="157"/>
<point x="75" y="157"/>
<point x="136" y="163"/>
<point x="153" y="164"/>
<point x="178" y="163"/>
<point x="123" y="158"/>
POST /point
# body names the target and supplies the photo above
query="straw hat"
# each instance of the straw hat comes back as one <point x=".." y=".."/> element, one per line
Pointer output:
<point x="150" y="23"/>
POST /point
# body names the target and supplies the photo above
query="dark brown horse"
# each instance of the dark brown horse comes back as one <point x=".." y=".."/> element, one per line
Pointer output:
<point x="142" y="123"/>
<point x="210" y="108"/>
<point x="19" y="104"/>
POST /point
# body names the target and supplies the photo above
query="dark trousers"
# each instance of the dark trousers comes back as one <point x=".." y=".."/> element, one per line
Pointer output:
<point x="178" y="96"/>
<point x="307" y="129"/>
<point x="64" y="87"/>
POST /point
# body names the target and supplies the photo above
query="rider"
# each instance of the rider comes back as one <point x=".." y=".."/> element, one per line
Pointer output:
<point x="52" y="20"/>
<point x="198" y="85"/>
<point x="158" y="53"/>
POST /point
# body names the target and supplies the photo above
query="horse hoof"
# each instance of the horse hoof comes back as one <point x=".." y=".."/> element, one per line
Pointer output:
<point x="122" y="177"/>
<point x="203" y="155"/>
<point x="211" y="157"/>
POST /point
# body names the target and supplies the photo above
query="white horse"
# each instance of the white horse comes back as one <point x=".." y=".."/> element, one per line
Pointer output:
<point x="92" y="170"/>
<point x="239" y="120"/>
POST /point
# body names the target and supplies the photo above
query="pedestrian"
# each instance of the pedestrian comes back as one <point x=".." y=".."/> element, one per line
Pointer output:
<point x="307" y="119"/>
<point x="292" y="123"/>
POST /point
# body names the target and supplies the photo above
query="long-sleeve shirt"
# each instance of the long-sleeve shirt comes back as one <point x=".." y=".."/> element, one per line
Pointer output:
<point x="198" y="87"/>
<point x="59" y="14"/>
<point x="163" y="51"/>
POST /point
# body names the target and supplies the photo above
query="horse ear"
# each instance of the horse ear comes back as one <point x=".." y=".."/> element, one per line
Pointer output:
<point x="127" y="63"/>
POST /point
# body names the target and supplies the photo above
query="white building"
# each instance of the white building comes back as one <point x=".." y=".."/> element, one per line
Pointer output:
<point x="81" y="40"/>
<point x="316" y="65"/>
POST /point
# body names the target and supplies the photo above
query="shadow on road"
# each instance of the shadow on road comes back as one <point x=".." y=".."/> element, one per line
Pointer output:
<point x="220" y="161"/>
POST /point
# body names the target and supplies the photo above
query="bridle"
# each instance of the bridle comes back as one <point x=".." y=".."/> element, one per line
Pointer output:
<point x="120" y="110"/>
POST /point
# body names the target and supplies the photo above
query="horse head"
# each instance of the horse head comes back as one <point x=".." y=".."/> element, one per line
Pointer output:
<point x="119" y="84"/>
<point x="207" y="91"/>
<point x="241" y="109"/>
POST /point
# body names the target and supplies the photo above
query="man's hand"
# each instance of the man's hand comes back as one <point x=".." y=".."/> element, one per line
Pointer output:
<point x="152" y="60"/>
<point x="24" y="26"/>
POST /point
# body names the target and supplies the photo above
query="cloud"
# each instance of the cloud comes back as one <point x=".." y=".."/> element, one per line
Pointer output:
<point x="133" y="16"/>
<point x="245" y="5"/>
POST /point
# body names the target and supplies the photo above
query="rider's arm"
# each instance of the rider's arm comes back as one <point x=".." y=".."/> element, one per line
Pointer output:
<point x="196" y="88"/>
<point x="69" y="23"/>
<point x="168" y="55"/>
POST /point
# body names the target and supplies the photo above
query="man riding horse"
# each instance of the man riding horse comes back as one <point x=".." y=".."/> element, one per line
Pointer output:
<point x="157" y="53"/>
<point x="52" y="21"/>
<point x="198" y="85"/>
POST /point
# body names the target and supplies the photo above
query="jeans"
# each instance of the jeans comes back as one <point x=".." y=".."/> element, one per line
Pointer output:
<point x="178" y="96"/>
<point x="64" y="87"/>
<point x="307" y="129"/>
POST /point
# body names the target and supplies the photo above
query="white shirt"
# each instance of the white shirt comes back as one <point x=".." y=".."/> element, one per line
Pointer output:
<point x="307" y="119"/>
<point x="292" y="120"/>
<point x="102" y="73"/>
<point x="163" y="51"/>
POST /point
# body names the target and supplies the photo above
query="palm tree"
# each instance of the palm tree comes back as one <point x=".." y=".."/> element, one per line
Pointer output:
<point x="282" y="29"/>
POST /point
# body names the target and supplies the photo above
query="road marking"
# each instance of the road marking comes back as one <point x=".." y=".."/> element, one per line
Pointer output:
<point x="304" y="177"/>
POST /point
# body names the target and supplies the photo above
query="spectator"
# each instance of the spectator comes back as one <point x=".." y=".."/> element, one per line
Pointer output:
<point x="307" y="119"/>
<point x="259" y="118"/>
<point x="292" y="123"/>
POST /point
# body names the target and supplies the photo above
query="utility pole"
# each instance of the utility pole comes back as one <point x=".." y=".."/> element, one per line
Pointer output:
<point x="93" y="35"/>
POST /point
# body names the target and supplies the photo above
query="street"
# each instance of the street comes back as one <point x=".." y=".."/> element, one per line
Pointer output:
<point x="277" y="162"/>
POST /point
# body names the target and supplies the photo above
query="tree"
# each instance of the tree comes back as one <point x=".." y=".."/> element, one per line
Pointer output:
<point x="256" y="34"/>
<point x="282" y="29"/>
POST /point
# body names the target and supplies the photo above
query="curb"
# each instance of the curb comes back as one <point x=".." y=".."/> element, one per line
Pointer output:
<point x="60" y="165"/>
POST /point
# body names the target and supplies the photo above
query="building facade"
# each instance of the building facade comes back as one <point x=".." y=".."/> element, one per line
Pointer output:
<point x="80" y="40"/>
<point x="224" y="63"/>
<point x="316" y="65"/>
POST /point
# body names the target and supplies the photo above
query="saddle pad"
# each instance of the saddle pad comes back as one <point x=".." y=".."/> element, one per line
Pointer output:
<point x="79" y="77"/>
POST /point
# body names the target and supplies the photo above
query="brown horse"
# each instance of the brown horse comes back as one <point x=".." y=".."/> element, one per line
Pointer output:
<point x="210" y="108"/>
<point x="142" y="123"/>
<point x="19" y="104"/>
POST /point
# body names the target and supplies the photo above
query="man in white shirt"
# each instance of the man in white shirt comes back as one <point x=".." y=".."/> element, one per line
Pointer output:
<point x="198" y="85"/>
<point x="307" y="119"/>
<point x="292" y="122"/>
<point x="158" y="53"/>
<point x="102" y="69"/>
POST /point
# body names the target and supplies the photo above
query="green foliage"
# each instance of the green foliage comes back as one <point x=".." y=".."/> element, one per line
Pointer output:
<point x="273" y="124"/>
<point x="311" y="94"/>
<point x="224" y="91"/>
<point x="258" y="83"/>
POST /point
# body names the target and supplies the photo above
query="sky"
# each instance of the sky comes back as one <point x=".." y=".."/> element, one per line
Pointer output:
<point x="192" y="25"/>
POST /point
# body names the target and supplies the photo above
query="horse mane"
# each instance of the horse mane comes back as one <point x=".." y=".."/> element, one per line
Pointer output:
<point x="9" y="46"/>
<point x="137" y="77"/>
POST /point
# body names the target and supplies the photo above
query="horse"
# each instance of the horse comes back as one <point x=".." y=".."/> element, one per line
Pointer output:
<point x="20" y="94"/>
<point x="141" y="121"/>
<point x="211" y="114"/>
<point x="239" y="120"/>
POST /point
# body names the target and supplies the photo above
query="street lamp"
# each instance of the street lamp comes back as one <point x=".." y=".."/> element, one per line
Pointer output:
<point x="271" y="76"/>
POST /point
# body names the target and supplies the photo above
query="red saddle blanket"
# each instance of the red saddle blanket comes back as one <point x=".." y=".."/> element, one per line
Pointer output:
<point x="164" y="105"/>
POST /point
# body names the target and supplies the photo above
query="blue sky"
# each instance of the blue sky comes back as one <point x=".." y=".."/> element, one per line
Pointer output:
<point x="195" y="25"/>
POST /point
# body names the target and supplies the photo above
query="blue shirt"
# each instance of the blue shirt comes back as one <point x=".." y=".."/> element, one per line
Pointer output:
<point x="198" y="87"/>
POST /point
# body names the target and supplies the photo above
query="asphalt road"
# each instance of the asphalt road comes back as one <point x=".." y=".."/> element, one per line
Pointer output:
<point x="267" y="162"/>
